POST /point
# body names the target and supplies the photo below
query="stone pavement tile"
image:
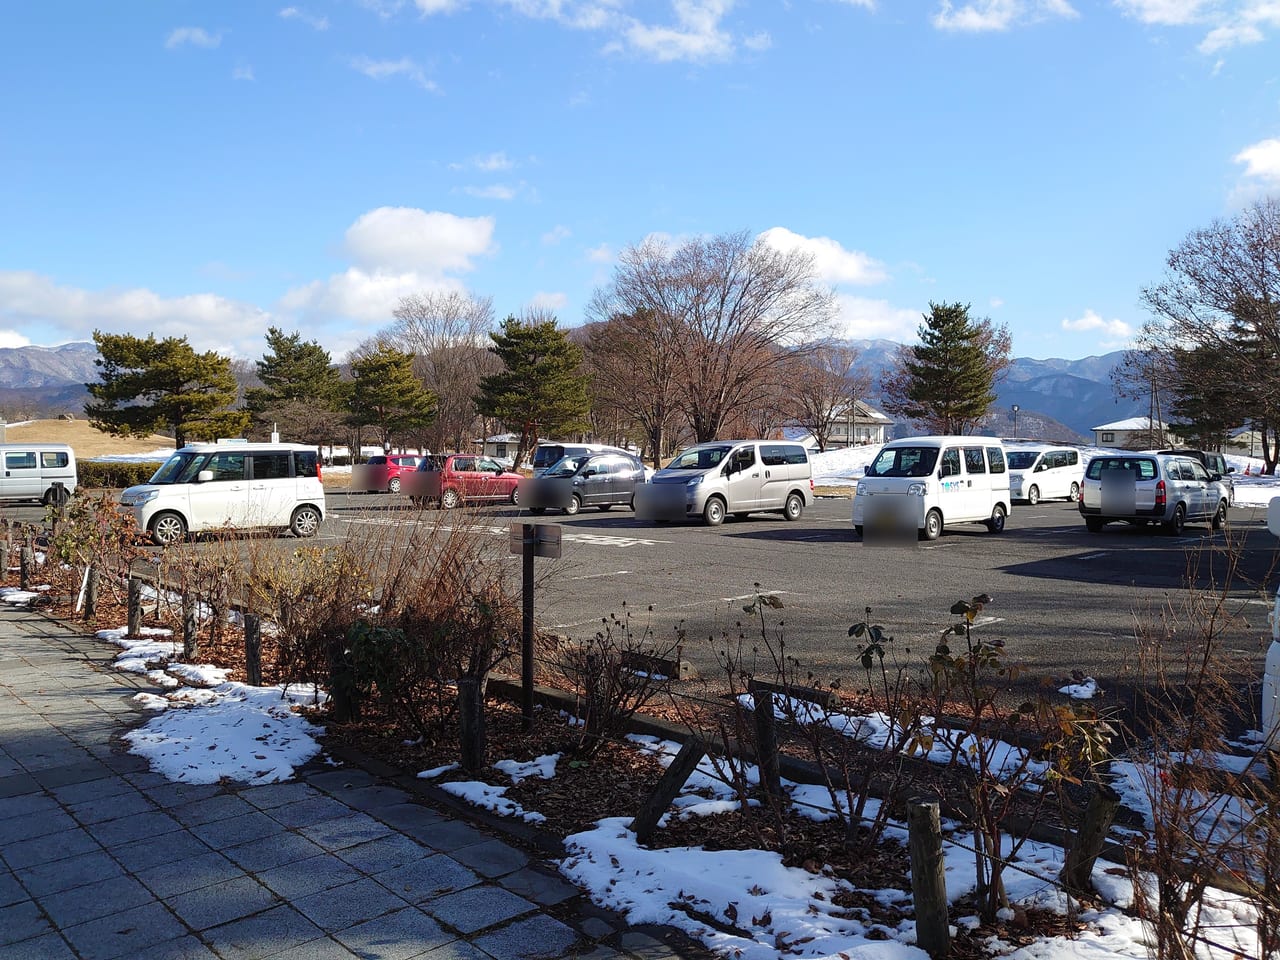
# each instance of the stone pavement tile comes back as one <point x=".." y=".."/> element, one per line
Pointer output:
<point x="148" y="853"/>
<point x="93" y="900"/>
<point x="342" y="907"/>
<point x="493" y="858"/>
<point x="74" y="772"/>
<point x="21" y="921"/>
<point x="263" y="935"/>
<point x="59" y="846"/>
<point x="221" y="903"/>
<point x="125" y="933"/>
<point x="457" y="950"/>
<point x="449" y="835"/>
<point x="535" y="938"/>
<point x="184" y="948"/>
<point x="396" y="936"/>
<point x="49" y="947"/>
<point x="26" y="805"/>
<point x="644" y="946"/>
<point x="224" y="806"/>
<point x="411" y="818"/>
<point x="268" y="852"/>
<point x="189" y="873"/>
<point x="273" y="795"/>
<point x="341" y="832"/>
<point x="325" y="949"/>
<point x="428" y="878"/>
<point x="103" y="809"/>
<point x="11" y="891"/>
<point x="130" y="765"/>
<point x="34" y="825"/>
<point x="17" y="784"/>
<point x="150" y="824"/>
<point x="385" y="853"/>
<point x="73" y="793"/>
<point x="600" y="952"/>
<point x="344" y="778"/>
<point x="372" y="798"/>
<point x="539" y="886"/>
<point x="169" y="796"/>
<point x="237" y="830"/>
<point x="314" y="809"/>
<point x="596" y="929"/>
<point x="478" y="907"/>
<point x="44" y="879"/>
<point x="303" y="877"/>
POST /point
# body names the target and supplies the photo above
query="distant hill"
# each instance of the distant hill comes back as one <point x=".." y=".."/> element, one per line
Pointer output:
<point x="38" y="382"/>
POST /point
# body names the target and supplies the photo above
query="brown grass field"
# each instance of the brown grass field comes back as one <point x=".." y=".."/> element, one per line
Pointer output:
<point x="84" y="439"/>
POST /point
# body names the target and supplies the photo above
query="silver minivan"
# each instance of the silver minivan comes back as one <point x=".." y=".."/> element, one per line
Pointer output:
<point x="734" y="477"/>
<point x="33" y="471"/>
<point x="1145" y="488"/>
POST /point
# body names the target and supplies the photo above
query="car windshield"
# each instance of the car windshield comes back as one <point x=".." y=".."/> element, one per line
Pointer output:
<point x="904" y="462"/>
<point x="564" y="467"/>
<point x="699" y="458"/>
<point x="1022" y="459"/>
<point x="180" y="468"/>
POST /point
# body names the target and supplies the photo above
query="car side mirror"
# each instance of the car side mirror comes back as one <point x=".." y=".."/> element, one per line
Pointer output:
<point x="1231" y="469"/>
<point x="204" y="476"/>
<point x="1215" y="476"/>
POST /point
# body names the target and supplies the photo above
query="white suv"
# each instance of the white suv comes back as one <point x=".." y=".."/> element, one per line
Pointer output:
<point x="1143" y="488"/>
<point x="239" y="485"/>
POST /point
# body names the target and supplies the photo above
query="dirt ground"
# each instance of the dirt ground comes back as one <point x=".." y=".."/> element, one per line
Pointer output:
<point x="84" y="439"/>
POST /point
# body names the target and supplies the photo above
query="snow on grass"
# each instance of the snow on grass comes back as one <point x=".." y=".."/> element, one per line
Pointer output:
<point x="1086" y="689"/>
<point x="544" y="767"/>
<point x="491" y="798"/>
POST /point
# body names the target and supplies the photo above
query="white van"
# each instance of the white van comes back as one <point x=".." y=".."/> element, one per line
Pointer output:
<point x="1040" y="472"/>
<point x="31" y="471"/>
<point x="208" y="486"/>
<point x="735" y="477"/>
<point x="927" y="483"/>
<point x="549" y="452"/>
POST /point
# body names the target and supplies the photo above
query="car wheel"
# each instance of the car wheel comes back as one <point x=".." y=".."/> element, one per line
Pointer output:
<point x="393" y="485"/>
<point x="996" y="523"/>
<point x="306" y="521"/>
<point x="1074" y="495"/>
<point x="1220" y="515"/>
<point x="515" y="496"/>
<point x="1093" y="524"/>
<point x="932" y="526"/>
<point x="713" y="512"/>
<point x="168" y="528"/>
<point x="450" y="499"/>
<point x="573" y="506"/>
<point x="1174" y="525"/>
<point x="1033" y="495"/>
<point x="794" y="507"/>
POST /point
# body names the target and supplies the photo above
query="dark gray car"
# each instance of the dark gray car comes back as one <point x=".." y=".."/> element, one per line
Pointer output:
<point x="602" y="480"/>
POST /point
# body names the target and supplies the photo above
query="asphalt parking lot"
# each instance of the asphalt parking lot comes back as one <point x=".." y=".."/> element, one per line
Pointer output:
<point x="1065" y="599"/>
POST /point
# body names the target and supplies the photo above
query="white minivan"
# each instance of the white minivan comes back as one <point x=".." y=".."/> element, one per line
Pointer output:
<point x="209" y="486"/>
<point x="927" y="483"/>
<point x="1041" y="472"/>
<point x="32" y="470"/>
<point x="734" y="477"/>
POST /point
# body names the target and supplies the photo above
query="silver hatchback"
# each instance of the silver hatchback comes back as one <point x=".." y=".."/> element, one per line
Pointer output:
<point x="1143" y="488"/>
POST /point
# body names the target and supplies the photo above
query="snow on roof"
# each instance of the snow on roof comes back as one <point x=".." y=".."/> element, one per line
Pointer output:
<point x="1133" y="423"/>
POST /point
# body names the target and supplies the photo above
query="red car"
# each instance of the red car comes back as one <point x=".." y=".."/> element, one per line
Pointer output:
<point x="384" y="473"/>
<point x="463" y="478"/>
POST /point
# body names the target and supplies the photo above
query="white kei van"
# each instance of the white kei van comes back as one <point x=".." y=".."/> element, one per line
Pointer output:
<point x="1039" y="472"/>
<point x="31" y="471"/>
<point x="927" y="483"/>
<point x="208" y="486"/>
<point x="735" y="477"/>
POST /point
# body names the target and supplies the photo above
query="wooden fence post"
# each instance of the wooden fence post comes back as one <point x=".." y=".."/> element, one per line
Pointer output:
<point x="1098" y="814"/>
<point x="24" y="567"/>
<point x="766" y="728"/>
<point x="135" y="607"/>
<point x="190" y="639"/>
<point x="253" y="650"/>
<point x="471" y="727"/>
<point x="91" y="592"/>
<point x="673" y="778"/>
<point x="928" y="878"/>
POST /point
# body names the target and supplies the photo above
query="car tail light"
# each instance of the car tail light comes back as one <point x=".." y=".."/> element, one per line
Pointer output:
<point x="1161" y="498"/>
<point x="318" y="476"/>
<point x="811" y="484"/>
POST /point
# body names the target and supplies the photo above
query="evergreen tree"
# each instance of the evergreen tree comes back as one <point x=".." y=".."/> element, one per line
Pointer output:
<point x="145" y="386"/>
<point x="542" y="389"/>
<point x="302" y="391"/>
<point x="945" y="382"/>
<point x="386" y="394"/>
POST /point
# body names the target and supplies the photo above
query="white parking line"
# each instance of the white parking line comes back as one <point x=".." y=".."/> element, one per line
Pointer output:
<point x="1094" y="556"/>
<point x="598" y="576"/>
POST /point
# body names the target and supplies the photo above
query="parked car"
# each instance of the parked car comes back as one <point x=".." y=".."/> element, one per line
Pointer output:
<point x="1214" y="463"/>
<point x="736" y="477"/>
<point x="37" y="471"/>
<point x="461" y="478"/>
<point x="383" y="473"/>
<point x="1041" y="472"/>
<point x="1143" y="488"/>
<point x="549" y="452"/>
<point x="924" y="484"/>
<point x="601" y="480"/>
<point x="207" y="486"/>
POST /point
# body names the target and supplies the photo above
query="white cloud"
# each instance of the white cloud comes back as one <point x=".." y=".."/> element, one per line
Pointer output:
<point x="860" y="318"/>
<point x="1165" y="12"/>
<point x="310" y="19"/>
<point x="195" y="36"/>
<point x="365" y="296"/>
<point x="1232" y="23"/>
<point x="210" y="322"/>
<point x="601" y="254"/>
<point x="1225" y="37"/>
<point x="696" y="37"/>
<point x="242" y="72"/>
<point x="430" y="7"/>
<point x="1262" y="161"/>
<point x="404" y="67"/>
<point x="548" y="301"/>
<point x="12" y="338"/>
<point x="486" y="163"/>
<point x="494" y="191"/>
<point x="983" y="16"/>
<point x="556" y="234"/>
<point x="832" y="262"/>
<point x="1117" y="331"/>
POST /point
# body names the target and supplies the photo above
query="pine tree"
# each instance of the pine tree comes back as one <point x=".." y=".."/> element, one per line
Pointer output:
<point x="387" y="395"/>
<point x="945" y="382"/>
<point x="542" y="389"/>
<point x="302" y="391"/>
<point x="145" y="386"/>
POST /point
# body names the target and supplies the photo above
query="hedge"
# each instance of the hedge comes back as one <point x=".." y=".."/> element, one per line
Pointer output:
<point x="108" y="473"/>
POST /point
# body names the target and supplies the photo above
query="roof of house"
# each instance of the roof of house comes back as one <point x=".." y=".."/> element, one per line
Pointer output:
<point x="1133" y="423"/>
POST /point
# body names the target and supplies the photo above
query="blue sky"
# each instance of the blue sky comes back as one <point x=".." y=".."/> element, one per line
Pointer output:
<point x="209" y="169"/>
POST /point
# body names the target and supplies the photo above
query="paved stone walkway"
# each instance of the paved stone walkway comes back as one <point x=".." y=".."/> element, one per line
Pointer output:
<point x="100" y="858"/>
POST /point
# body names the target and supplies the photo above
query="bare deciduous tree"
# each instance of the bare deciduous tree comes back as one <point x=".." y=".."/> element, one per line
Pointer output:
<point x="723" y="308"/>
<point x="825" y="389"/>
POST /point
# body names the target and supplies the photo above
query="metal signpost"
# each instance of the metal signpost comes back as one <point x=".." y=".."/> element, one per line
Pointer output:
<point x="529" y="540"/>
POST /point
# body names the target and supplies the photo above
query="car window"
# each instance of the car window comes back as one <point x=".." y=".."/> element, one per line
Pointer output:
<point x="950" y="463"/>
<point x="20" y="461"/>
<point x="270" y="466"/>
<point x="489" y="466"/>
<point x="743" y="458"/>
<point x="974" y="462"/>
<point x="1197" y="472"/>
<point x="995" y="456"/>
<point x="226" y="466"/>
<point x="1071" y="458"/>
<point x="464" y="464"/>
<point x="53" y="459"/>
<point x="305" y="463"/>
<point x="1022" y="459"/>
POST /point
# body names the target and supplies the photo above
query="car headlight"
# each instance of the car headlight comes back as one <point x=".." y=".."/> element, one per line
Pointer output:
<point x="138" y="499"/>
<point x="858" y="490"/>
<point x="918" y="490"/>
<point x="693" y="481"/>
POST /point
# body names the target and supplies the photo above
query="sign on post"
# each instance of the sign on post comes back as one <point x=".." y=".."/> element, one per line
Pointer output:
<point x="529" y="540"/>
<point x="546" y="539"/>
